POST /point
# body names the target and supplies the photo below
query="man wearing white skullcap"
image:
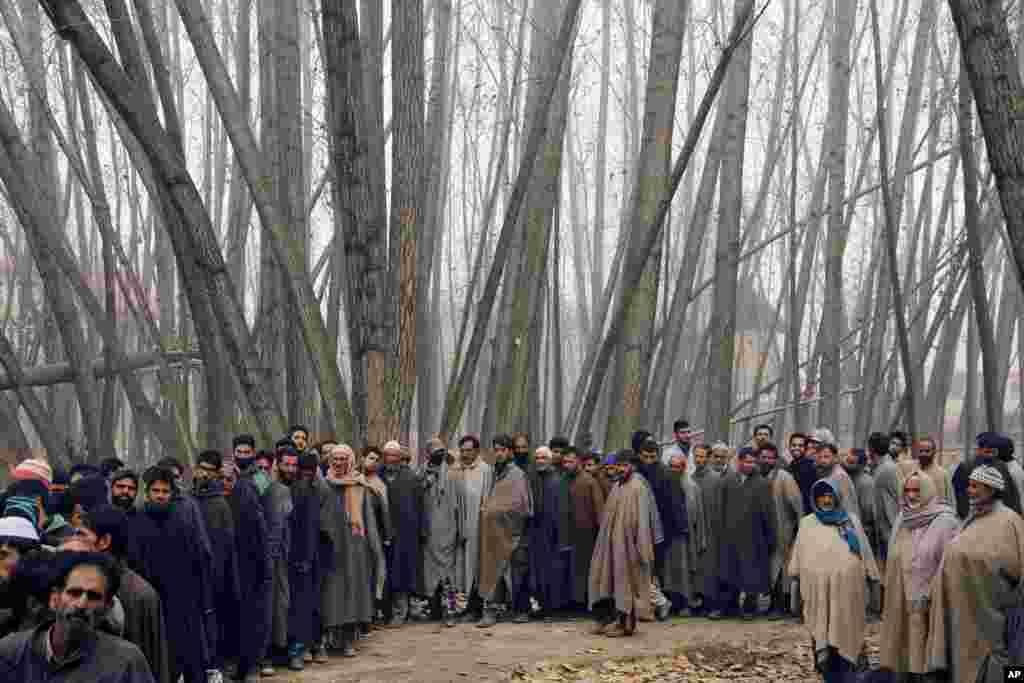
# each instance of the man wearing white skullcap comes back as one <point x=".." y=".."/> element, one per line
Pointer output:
<point x="990" y="544"/>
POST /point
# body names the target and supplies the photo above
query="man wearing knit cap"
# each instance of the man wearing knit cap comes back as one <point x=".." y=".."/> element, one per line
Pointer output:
<point x="405" y="506"/>
<point x="85" y="494"/>
<point x="34" y="469"/>
<point x="992" y="450"/>
<point x="474" y="482"/>
<point x="990" y="545"/>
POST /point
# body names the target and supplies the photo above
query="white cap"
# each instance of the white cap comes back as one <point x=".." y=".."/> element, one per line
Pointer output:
<point x="823" y="435"/>
<point x="19" y="529"/>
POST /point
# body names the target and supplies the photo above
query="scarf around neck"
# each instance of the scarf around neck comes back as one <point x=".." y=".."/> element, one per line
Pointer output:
<point x="836" y="517"/>
<point x="353" y="491"/>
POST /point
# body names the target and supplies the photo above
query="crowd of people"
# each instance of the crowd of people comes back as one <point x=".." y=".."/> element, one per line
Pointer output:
<point x="255" y="559"/>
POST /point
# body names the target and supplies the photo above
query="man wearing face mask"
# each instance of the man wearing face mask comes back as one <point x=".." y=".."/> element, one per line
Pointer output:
<point x="441" y="526"/>
<point x="521" y="450"/>
<point x="208" y="490"/>
<point x="173" y="562"/>
<point x="71" y="648"/>
<point x="474" y="480"/>
<point x="504" y="562"/>
<point x="620" y="588"/>
<point x="748" y="531"/>
<point x="405" y="506"/>
<point x="789" y="506"/>
<point x="248" y="627"/>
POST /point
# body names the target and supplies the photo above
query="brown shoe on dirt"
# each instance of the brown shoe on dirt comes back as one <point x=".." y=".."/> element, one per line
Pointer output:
<point x="618" y="631"/>
<point x="598" y="629"/>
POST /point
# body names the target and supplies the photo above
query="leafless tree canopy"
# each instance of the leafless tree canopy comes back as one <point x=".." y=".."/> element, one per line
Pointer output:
<point x="419" y="217"/>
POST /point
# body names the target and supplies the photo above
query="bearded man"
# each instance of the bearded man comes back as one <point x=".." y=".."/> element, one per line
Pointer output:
<point x="474" y="482"/>
<point x="548" y="564"/>
<point x="788" y="504"/>
<point x="990" y="545"/>
<point x="175" y="564"/>
<point x="924" y="451"/>
<point x="748" y="530"/>
<point x="822" y="447"/>
<point x="71" y="647"/>
<point x="855" y="462"/>
<point x="623" y="564"/>
<point x="208" y="491"/>
<point x="504" y="562"/>
<point x="303" y="555"/>
<point x="405" y="505"/>
<point x="441" y="526"/>
<point x="581" y="506"/>
<point x="888" y="486"/>
<point x="683" y="557"/>
<point x="103" y="531"/>
<point x="358" y="555"/>
<point x="802" y="468"/>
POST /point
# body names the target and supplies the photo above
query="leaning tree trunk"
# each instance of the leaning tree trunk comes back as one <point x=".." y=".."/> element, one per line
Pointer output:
<point x="538" y="218"/>
<point x="650" y="184"/>
<point x="196" y="240"/>
<point x="727" y="248"/>
<point x="983" y="332"/>
<point x="457" y="391"/>
<point x="992" y="69"/>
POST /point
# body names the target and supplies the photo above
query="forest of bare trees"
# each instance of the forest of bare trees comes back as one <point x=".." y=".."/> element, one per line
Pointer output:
<point x="417" y="217"/>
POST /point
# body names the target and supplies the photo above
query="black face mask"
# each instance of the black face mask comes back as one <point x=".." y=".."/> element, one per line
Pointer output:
<point x="925" y="460"/>
<point x="522" y="458"/>
<point x="158" y="510"/>
<point x="123" y="502"/>
<point x="437" y="457"/>
<point x="767" y="468"/>
<point x="823" y="471"/>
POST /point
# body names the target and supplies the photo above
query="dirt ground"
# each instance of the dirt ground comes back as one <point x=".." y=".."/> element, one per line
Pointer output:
<point x="680" y="649"/>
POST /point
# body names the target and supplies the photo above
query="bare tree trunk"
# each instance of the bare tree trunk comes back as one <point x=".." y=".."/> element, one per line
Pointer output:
<point x="195" y="238"/>
<point x="982" y="331"/>
<point x="727" y="248"/>
<point x="601" y="165"/>
<point x="992" y="69"/>
<point x="634" y="263"/>
<point x="650" y="185"/>
<point x="892" y="228"/>
<point x="457" y="391"/>
<point x="835" y="249"/>
<point x="407" y="200"/>
<point x="538" y="219"/>
<point x="438" y="142"/>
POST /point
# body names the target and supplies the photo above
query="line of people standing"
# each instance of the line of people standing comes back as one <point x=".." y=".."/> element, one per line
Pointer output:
<point x="287" y="555"/>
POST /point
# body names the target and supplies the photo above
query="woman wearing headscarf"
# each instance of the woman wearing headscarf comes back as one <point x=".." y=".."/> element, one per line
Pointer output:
<point x="963" y="593"/>
<point x="836" y="573"/>
<point x="925" y="526"/>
